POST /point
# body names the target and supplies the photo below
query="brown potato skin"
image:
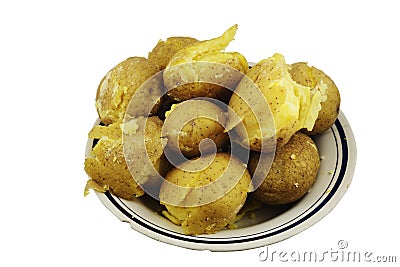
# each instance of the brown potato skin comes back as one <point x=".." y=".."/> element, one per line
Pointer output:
<point x="121" y="83"/>
<point x="210" y="86"/>
<point x="310" y="76"/>
<point x="197" y="129"/>
<point x="212" y="217"/>
<point x="165" y="50"/>
<point x="107" y="164"/>
<point x="292" y="174"/>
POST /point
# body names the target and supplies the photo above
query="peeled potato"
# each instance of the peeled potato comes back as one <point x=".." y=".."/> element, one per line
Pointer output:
<point x="310" y="76"/>
<point x="165" y="50"/>
<point x="292" y="174"/>
<point x="202" y="69"/>
<point x="211" y="217"/>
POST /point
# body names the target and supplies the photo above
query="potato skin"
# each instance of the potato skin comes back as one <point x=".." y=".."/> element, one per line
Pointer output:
<point x="106" y="164"/>
<point x="291" y="106"/>
<point x="211" y="217"/>
<point x="118" y="86"/>
<point x="292" y="174"/>
<point x="165" y="50"/>
<point x="213" y="76"/>
<point x="203" y="69"/>
<point x="310" y="76"/>
<point x="198" y="128"/>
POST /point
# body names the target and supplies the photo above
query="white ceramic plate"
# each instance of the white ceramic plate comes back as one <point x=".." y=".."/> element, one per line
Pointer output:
<point x="337" y="149"/>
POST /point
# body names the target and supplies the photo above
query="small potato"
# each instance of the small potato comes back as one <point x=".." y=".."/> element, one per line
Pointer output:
<point x="106" y="165"/>
<point x="117" y="88"/>
<point x="190" y="122"/>
<point x="202" y="69"/>
<point x="213" y="216"/>
<point x="310" y="76"/>
<point x="165" y="50"/>
<point x="292" y="174"/>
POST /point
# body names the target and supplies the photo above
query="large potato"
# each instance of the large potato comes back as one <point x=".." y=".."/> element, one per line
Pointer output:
<point x="292" y="106"/>
<point x="165" y="50"/>
<point x="311" y="76"/>
<point x="293" y="171"/>
<point x="107" y="165"/>
<point x="202" y="69"/>
<point x="117" y="88"/>
<point x="190" y="122"/>
<point x="211" y="217"/>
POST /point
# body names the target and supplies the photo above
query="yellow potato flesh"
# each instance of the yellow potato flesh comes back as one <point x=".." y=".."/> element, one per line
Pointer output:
<point x="202" y="69"/>
<point x="292" y="105"/>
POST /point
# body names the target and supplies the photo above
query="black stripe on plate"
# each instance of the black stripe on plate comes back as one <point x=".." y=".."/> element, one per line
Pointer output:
<point x="134" y="214"/>
<point x="339" y="181"/>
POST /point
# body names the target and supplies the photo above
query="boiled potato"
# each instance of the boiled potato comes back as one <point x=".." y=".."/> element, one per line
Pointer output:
<point x="207" y="188"/>
<point x="203" y="70"/>
<point x="190" y="122"/>
<point x="117" y="88"/>
<point x="165" y="50"/>
<point x="107" y="165"/>
<point x="213" y="216"/>
<point x="292" y="174"/>
<point x="310" y="76"/>
<point x="290" y="108"/>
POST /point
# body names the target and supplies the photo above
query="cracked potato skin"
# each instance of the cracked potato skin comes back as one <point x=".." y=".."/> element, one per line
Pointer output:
<point x="292" y="174"/>
<point x="204" y="69"/>
<point x="106" y="164"/>
<point x="310" y="76"/>
<point x="121" y="83"/>
<point x="212" y="217"/>
<point x="165" y="50"/>
<point x="292" y="106"/>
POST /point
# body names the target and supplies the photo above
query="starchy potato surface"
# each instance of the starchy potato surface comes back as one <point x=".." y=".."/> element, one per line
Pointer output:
<point x="202" y="69"/>
<point x="165" y="50"/>
<point x="188" y="125"/>
<point x="211" y="217"/>
<point x="310" y="76"/>
<point x="118" y="86"/>
<point x="106" y="163"/>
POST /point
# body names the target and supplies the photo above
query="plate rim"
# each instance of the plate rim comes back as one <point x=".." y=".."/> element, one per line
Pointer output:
<point x="299" y="224"/>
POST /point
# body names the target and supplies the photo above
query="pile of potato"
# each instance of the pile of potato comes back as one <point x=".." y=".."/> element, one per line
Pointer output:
<point x="201" y="106"/>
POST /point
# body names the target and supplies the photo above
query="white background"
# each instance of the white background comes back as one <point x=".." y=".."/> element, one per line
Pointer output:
<point x="53" y="55"/>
